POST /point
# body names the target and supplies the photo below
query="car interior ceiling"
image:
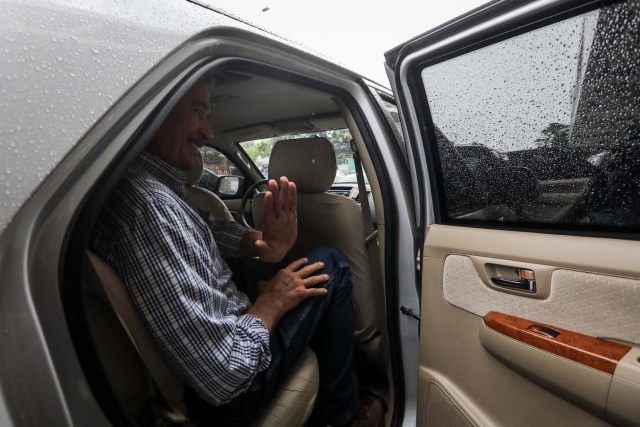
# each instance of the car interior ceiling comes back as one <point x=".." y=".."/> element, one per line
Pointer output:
<point x="247" y="106"/>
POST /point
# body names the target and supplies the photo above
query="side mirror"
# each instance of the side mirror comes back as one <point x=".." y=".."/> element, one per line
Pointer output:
<point x="230" y="186"/>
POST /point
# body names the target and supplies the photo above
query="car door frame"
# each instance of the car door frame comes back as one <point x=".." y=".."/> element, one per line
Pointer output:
<point x="483" y="26"/>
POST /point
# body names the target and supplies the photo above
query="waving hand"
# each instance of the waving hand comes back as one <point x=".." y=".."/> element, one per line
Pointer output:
<point x="280" y="228"/>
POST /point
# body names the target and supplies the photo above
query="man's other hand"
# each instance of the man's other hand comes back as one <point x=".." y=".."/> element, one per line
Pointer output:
<point x="287" y="289"/>
<point x="280" y="228"/>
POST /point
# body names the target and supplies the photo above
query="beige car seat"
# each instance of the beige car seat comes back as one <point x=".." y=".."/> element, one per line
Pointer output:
<point x="145" y="387"/>
<point x="138" y="375"/>
<point x="328" y="220"/>
<point x="203" y="199"/>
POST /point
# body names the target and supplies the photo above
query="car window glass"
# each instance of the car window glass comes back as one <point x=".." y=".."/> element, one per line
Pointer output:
<point x="260" y="150"/>
<point x="543" y="127"/>
<point x="391" y="113"/>
<point x="215" y="164"/>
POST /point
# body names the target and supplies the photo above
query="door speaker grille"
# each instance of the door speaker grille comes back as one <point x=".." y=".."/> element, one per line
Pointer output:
<point x="441" y="411"/>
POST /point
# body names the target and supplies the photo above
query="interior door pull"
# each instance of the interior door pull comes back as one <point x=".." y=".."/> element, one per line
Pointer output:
<point x="528" y="285"/>
<point x="544" y="330"/>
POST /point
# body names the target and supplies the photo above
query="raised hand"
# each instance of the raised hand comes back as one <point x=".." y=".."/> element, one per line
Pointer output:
<point x="280" y="229"/>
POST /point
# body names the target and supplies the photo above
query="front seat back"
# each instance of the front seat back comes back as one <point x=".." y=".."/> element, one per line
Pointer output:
<point x="328" y="220"/>
<point x="202" y="199"/>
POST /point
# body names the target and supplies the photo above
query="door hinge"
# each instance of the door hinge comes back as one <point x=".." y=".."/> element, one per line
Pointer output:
<point x="409" y="312"/>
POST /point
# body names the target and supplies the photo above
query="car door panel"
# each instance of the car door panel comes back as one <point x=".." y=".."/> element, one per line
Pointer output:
<point x="577" y="367"/>
<point x="597" y="353"/>
<point x="496" y="380"/>
<point x="527" y="115"/>
<point x="593" y="304"/>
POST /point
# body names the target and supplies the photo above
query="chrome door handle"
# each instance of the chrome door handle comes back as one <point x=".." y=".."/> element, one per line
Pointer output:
<point x="521" y="284"/>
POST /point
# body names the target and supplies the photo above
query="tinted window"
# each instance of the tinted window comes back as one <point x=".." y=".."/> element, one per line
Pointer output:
<point x="543" y="127"/>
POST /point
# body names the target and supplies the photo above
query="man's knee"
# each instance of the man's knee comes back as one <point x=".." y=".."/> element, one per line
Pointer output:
<point x="331" y="257"/>
<point x="335" y="265"/>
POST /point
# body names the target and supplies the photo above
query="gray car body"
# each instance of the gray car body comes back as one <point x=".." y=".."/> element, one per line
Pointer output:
<point x="78" y="79"/>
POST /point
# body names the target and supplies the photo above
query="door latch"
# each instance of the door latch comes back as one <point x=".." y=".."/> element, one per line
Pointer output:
<point x="409" y="312"/>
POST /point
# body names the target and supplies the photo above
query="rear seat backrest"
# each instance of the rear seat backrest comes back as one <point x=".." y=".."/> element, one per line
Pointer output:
<point x="105" y="283"/>
<point x="126" y="374"/>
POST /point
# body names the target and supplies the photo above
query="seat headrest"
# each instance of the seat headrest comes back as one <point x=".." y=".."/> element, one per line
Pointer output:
<point x="193" y="176"/>
<point x="309" y="162"/>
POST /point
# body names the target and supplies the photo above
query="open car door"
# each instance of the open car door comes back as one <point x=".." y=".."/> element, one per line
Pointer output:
<point x="523" y="126"/>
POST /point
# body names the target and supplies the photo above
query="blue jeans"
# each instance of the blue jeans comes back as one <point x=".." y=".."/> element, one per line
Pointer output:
<point x="323" y="323"/>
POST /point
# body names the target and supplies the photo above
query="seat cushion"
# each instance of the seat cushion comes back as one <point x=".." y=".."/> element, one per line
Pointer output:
<point x="294" y="400"/>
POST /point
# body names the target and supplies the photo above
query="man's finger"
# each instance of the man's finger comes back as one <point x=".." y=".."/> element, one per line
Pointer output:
<point x="315" y="280"/>
<point x="284" y="194"/>
<point x="293" y="200"/>
<point x="314" y="292"/>
<point x="310" y="269"/>
<point x="268" y="206"/>
<point x="295" y="265"/>
<point x="262" y="245"/>
<point x="273" y="187"/>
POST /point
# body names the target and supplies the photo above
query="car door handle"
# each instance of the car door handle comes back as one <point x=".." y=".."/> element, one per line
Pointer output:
<point x="522" y="284"/>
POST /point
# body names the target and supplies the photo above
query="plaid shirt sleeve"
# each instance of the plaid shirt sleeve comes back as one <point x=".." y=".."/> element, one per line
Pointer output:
<point x="228" y="235"/>
<point x="185" y="294"/>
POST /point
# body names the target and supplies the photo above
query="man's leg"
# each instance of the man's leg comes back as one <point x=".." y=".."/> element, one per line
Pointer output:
<point x="326" y="325"/>
<point x="333" y="344"/>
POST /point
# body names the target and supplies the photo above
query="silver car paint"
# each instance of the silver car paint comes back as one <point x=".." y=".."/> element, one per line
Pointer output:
<point x="64" y="64"/>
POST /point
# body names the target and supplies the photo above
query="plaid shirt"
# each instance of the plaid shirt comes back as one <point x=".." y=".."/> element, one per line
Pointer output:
<point x="168" y="258"/>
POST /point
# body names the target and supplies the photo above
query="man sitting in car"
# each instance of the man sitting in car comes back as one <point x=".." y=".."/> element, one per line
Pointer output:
<point x="232" y="353"/>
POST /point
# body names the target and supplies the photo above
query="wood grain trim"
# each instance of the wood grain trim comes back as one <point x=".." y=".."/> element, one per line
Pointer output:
<point x="597" y="353"/>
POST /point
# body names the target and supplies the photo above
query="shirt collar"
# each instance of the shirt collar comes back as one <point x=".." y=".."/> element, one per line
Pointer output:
<point x="167" y="174"/>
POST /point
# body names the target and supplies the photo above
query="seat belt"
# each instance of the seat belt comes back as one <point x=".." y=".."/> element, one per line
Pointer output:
<point x="370" y="233"/>
<point x="104" y="281"/>
<point x="369" y="230"/>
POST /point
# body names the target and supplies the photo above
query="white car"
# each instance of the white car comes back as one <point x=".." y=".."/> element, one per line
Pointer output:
<point x="348" y="186"/>
<point x="513" y="305"/>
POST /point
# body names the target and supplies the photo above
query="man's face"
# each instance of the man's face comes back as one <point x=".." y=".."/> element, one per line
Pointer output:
<point x="185" y="129"/>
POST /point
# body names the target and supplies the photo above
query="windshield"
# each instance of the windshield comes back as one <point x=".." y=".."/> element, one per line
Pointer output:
<point x="352" y="178"/>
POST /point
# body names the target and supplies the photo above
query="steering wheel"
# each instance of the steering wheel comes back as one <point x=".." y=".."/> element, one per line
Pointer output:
<point x="249" y="194"/>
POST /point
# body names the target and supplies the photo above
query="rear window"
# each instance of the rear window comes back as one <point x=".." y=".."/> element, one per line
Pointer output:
<point x="543" y="128"/>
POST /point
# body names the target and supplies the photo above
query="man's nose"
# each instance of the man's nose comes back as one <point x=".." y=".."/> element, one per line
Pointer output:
<point x="206" y="130"/>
